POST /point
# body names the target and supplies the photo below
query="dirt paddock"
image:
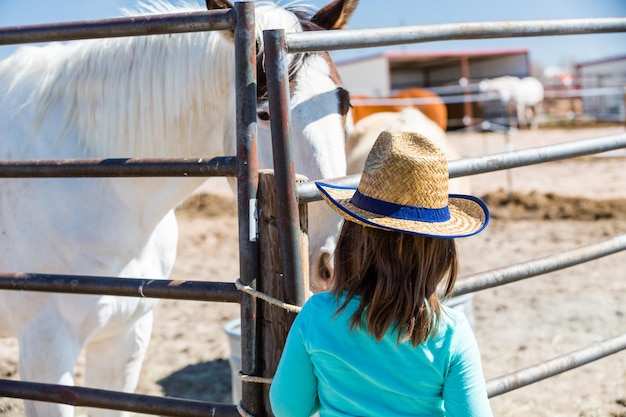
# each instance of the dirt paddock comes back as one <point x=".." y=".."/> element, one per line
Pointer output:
<point x="537" y="211"/>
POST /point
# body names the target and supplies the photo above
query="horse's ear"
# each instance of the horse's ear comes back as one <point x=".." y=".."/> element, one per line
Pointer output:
<point x="218" y="4"/>
<point x="335" y="15"/>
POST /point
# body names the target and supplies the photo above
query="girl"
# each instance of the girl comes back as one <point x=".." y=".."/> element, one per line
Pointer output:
<point x="381" y="343"/>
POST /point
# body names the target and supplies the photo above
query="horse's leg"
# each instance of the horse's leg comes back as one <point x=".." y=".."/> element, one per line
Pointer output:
<point x="521" y="115"/>
<point x="115" y="363"/>
<point x="529" y="115"/>
<point x="536" y="111"/>
<point x="48" y="353"/>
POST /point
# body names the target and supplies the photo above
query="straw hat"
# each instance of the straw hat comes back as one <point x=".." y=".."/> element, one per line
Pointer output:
<point x="404" y="187"/>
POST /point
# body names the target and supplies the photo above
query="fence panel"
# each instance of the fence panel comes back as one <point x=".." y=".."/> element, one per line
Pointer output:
<point x="283" y="43"/>
<point x="244" y="166"/>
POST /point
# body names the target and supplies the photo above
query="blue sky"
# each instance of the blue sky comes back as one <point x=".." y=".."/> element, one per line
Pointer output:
<point x="546" y="51"/>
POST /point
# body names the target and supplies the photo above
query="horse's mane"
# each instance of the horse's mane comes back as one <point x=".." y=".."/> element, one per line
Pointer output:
<point x="133" y="95"/>
<point x="138" y="96"/>
<point x="154" y="7"/>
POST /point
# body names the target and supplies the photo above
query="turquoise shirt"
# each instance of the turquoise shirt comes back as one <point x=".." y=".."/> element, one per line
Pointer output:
<point x="326" y="367"/>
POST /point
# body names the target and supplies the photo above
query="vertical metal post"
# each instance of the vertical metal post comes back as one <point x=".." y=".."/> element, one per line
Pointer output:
<point x="624" y="107"/>
<point x="247" y="184"/>
<point x="508" y="146"/>
<point x="284" y="165"/>
<point x="468" y="112"/>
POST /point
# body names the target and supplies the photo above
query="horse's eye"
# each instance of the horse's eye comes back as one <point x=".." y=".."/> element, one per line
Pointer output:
<point x="263" y="115"/>
<point x="344" y="101"/>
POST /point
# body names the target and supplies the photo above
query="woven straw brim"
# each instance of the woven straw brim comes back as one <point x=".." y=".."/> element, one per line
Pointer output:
<point x="468" y="214"/>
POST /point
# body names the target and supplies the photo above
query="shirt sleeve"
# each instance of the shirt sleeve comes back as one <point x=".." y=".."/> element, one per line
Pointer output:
<point x="464" y="390"/>
<point x="293" y="392"/>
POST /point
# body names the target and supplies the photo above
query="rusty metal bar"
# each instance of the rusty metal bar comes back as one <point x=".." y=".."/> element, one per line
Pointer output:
<point x="247" y="186"/>
<point x="499" y="161"/>
<point x="528" y="269"/>
<point x="118" y="27"/>
<point x="121" y="167"/>
<point x="284" y="166"/>
<point x="560" y="364"/>
<point x="523" y="157"/>
<point x="89" y="397"/>
<point x="130" y="287"/>
<point x="367" y="38"/>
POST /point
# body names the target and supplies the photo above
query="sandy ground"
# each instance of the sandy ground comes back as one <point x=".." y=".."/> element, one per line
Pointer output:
<point x="517" y="325"/>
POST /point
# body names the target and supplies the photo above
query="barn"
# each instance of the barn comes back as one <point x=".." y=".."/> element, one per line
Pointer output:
<point x="602" y="85"/>
<point x="453" y="75"/>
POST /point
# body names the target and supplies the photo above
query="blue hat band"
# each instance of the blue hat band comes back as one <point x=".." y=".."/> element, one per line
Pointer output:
<point x="399" y="211"/>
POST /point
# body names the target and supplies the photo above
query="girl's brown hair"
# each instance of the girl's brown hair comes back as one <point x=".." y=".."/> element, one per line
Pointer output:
<point x="397" y="276"/>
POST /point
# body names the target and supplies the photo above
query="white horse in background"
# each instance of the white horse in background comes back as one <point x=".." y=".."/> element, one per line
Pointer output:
<point x="361" y="139"/>
<point x="522" y="97"/>
<point x="364" y="133"/>
<point x="153" y="96"/>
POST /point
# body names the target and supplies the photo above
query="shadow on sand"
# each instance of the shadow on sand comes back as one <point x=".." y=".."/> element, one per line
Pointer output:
<point x="207" y="381"/>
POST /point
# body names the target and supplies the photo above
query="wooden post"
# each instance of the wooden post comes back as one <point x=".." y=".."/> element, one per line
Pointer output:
<point x="275" y="321"/>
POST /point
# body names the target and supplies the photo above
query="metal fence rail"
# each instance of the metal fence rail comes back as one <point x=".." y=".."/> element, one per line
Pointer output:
<point x="307" y="191"/>
<point x="546" y="369"/>
<point x="121" y="167"/>
<point x="113" y="400"/>
<point x="121" y="26"/>
<point x="533" y="268"/>
<point x="366" y="38"/>
<point x="129" y="287"/>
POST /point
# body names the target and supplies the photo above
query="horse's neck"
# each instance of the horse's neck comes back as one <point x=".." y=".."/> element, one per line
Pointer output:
<point x="158" y="96"/>
<point x="152" y="198"/>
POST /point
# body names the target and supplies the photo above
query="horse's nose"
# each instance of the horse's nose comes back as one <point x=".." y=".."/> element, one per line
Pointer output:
<point x="322" y="273"/>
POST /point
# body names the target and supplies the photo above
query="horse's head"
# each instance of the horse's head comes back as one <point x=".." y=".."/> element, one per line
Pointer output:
<point x="319" y="110"/>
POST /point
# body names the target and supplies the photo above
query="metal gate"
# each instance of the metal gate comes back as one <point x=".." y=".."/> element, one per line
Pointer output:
<point x="244" y="167"/>
<point x="278" y="44"/>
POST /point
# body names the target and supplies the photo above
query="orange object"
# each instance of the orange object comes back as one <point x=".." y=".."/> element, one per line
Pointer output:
<point x="435" y="109"/>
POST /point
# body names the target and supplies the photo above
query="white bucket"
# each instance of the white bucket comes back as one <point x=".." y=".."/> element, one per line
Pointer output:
<point x="233" y="331"/>
<point x="464" y="304"/>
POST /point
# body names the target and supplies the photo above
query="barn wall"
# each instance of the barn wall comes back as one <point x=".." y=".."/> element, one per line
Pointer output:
<point x="379" y="75"/>
<point x="368" y="76"/>
<point x="496" y="66"/>
<point x="480" y="67"/>
<point x="602" y="84"/>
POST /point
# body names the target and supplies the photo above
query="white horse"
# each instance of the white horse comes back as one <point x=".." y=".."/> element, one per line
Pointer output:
<point x="523" y="97"/>
<point x="153" y="96"/>
<point x="361" y="139"/>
